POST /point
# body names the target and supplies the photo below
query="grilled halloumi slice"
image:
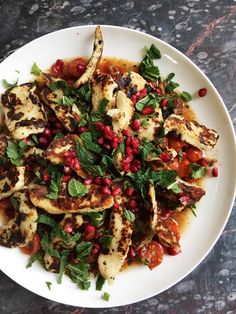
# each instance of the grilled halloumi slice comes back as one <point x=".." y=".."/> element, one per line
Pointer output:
<point x="122" y="114"/>
<point x="191" y="132"/>
<point x="65" y="113"/>
<point x="3" y="145"/>
<point x="103" y="87"/>
<point x="57" y="149"/>
<point x="23" y="111"/>
<point x="94" y="60"/>
<point x="153" y="208"/>
<point x="94" y="200"/>
<point x="121" y="229"/>
<point x="11" y="181"/>
<point x="137" y="82"/>
<point x="149" y="131"/>
<point x="20" y="230"/>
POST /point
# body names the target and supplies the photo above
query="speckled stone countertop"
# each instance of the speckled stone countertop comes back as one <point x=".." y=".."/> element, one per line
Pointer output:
<point x="205" y="30"/>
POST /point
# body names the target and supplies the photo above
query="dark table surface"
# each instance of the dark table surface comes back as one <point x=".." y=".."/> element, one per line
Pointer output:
<point x="205" y="30"/>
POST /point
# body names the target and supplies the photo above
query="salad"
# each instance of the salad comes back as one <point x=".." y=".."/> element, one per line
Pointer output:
<point x="99" y="159"/>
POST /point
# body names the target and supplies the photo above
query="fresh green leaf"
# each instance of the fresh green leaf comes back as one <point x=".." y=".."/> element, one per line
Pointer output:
<point x="46" y="220"/>
<point x="154" y="52"/>
<point x="7" y="85"/>
<point x="15" y="152"/>
<point x="83" y="249"/>
<point x="169" y="77"/>
<point x="35" y="70"/>
<point x="63" y="261"/>
<point x="32" y="260"/>
<point x="175" y="187"/>
<point x="144" y="122"/>
<point x="150" y="100"/>
<point x="186" y="96"/>
<point x="96" y="218"/>
<point x="197" y="171"/>
<point x="14" y="202"/>
<point x="146" y="148"/>
<point x="58" y="136"/>
<point x="77" y="188"/>
<point x="147" y="68"/>
<point x="66" y="101"/>
<point x="106" y="296"/>
<point x="89" y="144"/>
<point x="47" y="247"/>
<point x="100" y="282"/>
<point x="170" y="87"/>
<point x="79" y="273"/>
<point x="164" y="178"/>
<point x="192" y="208"/>
<point x="84" y="93"/>
<point x="48" y="283"/>
<point x="106" y="240"/>
<point x="60" y="84"/>
<point x="102" y="105"/>
<point x="129" y="215"/>
<point x="34" y="138"/>
<point x="53" y="190"/>
<point x="85" y="156"/>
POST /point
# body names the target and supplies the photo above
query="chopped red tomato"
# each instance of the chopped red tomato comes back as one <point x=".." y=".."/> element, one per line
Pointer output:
<point x="33" y="247"/>
<point x="184" y="168"/>
<point x="174" y="165"/>
<point x="152" y="254"/>
<point x="193" y="154"/>
<point x="175" y="143"/>
<point x="77" y="67"/>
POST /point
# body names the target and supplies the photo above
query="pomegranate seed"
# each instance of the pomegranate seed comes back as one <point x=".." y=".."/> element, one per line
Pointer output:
<point x="128" y="150"/>
<point x="159" y="91"/>
<point x="76" y="164"/>
<point x="106" y="146"/>
<point x="165" y="157"/>
<point x="127" y="160"/>
<point x="66" y="170"/>
<point x="134" y="168"/>
<point x="95" y="250"/>
<point x="215" y="172"/>
<point x="130" y="191"/>
<point x="148" y="110"/>
<point x="116" y="205"/>
<point x="126" y="133"/>
<point x="203" y="162"/>
<point x="109" y="136"/>
<point x="164" y="102"/>
<point x="66" y="178"/>
<point x="131" y="253"/>
<point x="134" y="141"/>
<point x="134" y="98"/>
<point x="101" y="140"/>
<point x="202" y="92"/>
<point x="132" y="204"/>
<point x="97" y="180"/>
<point x="89" y="232"/>
<point x="73" y="154"/>
<point x="59" y="63"/>
<point x="143" y="93"/>
<point x="99" y="126"/>
<point x="58" y="125"/>
<point x="184" y="200"/>
<point x="136" y="125"/>
<point x="137" y="163"/>
<point x="116" y="191"/>
<point x="55" y="131"/>
<point x="47" y="132"/>
<point x="81" y="67"/>
<point x="174" y="250"/>
<point x="68" y="160"/>
<point x="126" y="168"/>
<point x="114" y="144"/>
<point x="106" y="190"/>
<point x="88" y="181"/>
<point x="46" y="177"/>
<point x="43" y="140"/>
<point x="68" y="229"/>
<point x="27" y="167"/>
<point x="107" y="129"/>
<point x="107" y="181"/>
<point x="135" y="151"/>
<point x="82" y="129"/>
<point x="184" y="155"/>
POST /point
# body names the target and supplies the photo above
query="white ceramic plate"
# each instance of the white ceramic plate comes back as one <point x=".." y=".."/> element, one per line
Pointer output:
<point x="136" y="283"/>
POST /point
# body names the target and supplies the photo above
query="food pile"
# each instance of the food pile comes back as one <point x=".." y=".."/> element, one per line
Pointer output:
<point x="95" y="163"/>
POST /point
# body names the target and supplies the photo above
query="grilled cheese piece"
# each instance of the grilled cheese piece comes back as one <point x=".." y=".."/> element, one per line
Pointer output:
<point x="20" y="230"/>
<point x="122" y="115"/>
<point x="191" y="132"/>
<point x="103" y="88"/>
<point x="56" y="151"/>
<point x="136" y="81"/>
<point x="3" y="145"/>
<point x="94" y="200"/>
<point x="149" y="132"/>
<point x="11" y="181"/>
<point x="94" y="60"/>
<point x="23" y="110"/>
<point x="121" y="229"/>
<point x="65" y="113"/>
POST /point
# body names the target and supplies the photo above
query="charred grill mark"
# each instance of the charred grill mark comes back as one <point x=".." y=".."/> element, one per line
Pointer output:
<point x="6" y="188"/>
<point x="13" y="175"/>
<point x="188" y="125"/>
<point x="38" y="123"/>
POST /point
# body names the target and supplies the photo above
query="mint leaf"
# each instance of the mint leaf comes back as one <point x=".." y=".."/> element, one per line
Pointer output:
<point x="170" y="87"/>
<point x="66" y="101"/>
<point x="106" y="240"/>
<point x="169" y="77"/>
<point x="147" y="68"/>
<point x="106" y="296"/>
<point x="79" y="274"/>
<point x="164" y="178"/>
<point x="7" y="85"/>
<point x="100" y="282"/>
<point x="14" y="202"/>
<point x="76" y="188"/>
<point x="63" y="262"/>
<point x="96" y="218"/>
<point x="35" y="70"/>
<point x="48" y="283"/>
<point x="15" y="152"/>
<point x="129" y="215"/>
<point x="83" y="249"/>
<point x="186" y="96"/>
<point x="175" y="188"/>
<point x="197" y="171"/>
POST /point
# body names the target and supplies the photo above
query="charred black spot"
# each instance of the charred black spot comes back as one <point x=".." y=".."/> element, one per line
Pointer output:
<point x="188" y="125"/>
<point x="6" y="188"/>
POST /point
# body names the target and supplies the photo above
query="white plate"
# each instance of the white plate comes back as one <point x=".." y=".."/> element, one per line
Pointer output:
<point x="136" y="283"/>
